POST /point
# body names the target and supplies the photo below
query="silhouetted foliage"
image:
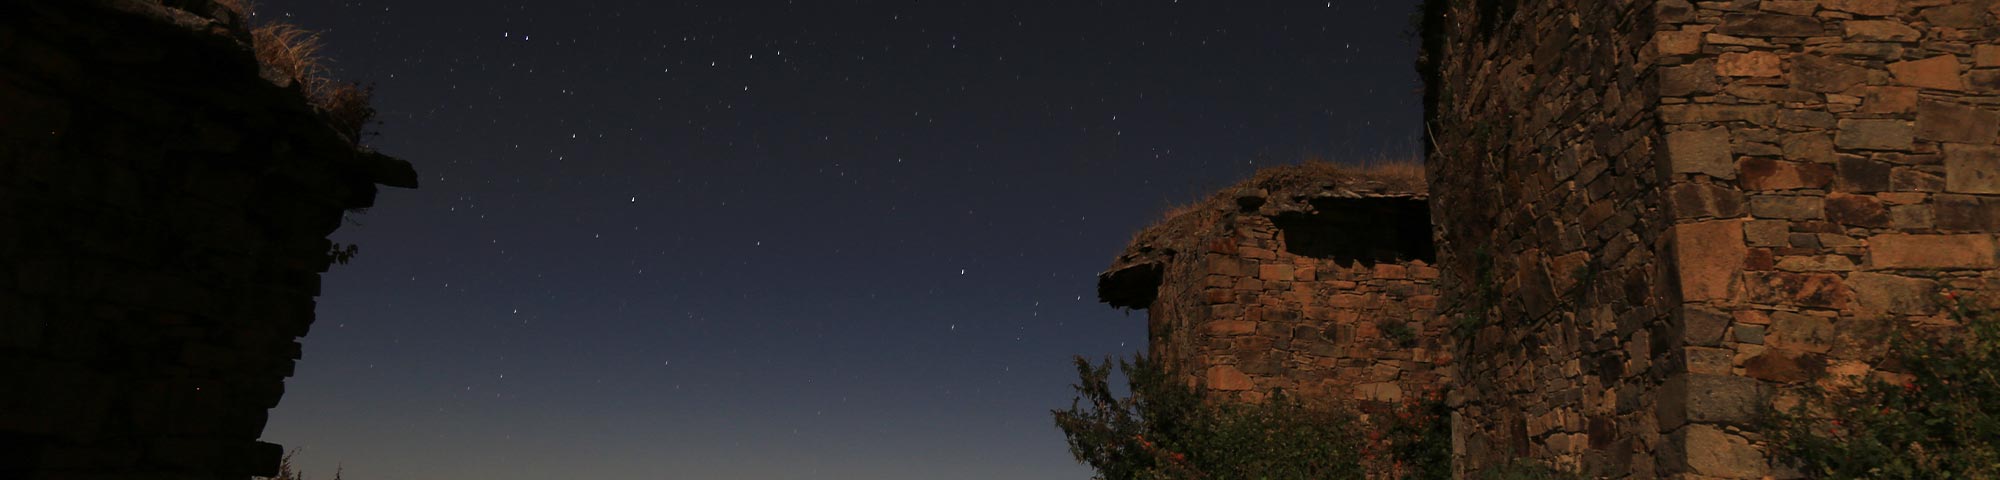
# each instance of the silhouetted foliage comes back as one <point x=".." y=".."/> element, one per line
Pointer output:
<point x="1163" y="430"/>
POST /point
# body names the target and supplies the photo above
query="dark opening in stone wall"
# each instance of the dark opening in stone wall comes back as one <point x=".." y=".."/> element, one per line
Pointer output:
<point x="1369" y="230"/>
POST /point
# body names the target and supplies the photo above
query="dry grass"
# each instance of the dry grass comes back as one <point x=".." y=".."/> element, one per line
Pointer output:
<point x="288" y="471"/>
<point x="1394" y="174"/>
<point x="294" y="53"/>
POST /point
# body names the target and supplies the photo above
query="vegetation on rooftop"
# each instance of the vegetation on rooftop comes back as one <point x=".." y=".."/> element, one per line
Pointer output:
<point x="294" y="53"/>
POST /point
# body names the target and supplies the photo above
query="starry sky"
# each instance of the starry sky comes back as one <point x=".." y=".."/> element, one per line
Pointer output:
<point x="785" y="239"/>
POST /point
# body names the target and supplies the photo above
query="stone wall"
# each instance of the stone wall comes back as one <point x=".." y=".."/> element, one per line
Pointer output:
<point x="1832" y="165"/>
<point x="1655" y="216"/>
<point x="1547" y="200"/>
<point x="163" y="222"/>
<point x="1304" y="280"/>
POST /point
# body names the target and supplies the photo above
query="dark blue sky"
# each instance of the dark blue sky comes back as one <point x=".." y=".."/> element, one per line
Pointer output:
<point x="774" y="240"/>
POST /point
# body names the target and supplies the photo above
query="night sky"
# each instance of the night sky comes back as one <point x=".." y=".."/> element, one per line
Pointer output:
<point x="773" y="240"/>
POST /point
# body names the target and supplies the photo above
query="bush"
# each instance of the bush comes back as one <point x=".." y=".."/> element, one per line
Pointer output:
<point x="1937" y="417"/>
<point x="1164" y="431"/>
<point x="1410" y="440"/>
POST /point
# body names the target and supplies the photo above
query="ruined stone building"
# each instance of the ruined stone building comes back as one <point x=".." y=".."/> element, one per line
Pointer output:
<point x="166" y="211"/>
<point x="1651" y="218"/>
<point x="1306" y="278"/>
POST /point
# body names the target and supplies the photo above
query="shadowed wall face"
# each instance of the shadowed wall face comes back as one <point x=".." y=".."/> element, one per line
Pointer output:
<point x="1545" y="195"/>
<point x="165" y="219"/>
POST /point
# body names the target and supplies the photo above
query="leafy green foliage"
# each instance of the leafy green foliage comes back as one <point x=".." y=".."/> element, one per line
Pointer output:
<point x="1164" y="430"/>
<point x="1939" y="419"/>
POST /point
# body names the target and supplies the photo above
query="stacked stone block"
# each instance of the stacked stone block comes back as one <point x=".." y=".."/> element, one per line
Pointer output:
<point x="1239" y="313"/>
<point x="163" y="220"/>
<point x="1832" y="167"/>
<point x="1758" y="192"/>
<point x="1547" y="196"/>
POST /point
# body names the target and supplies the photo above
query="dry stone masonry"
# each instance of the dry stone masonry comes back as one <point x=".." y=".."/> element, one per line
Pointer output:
<point x="1724" y="199"/>
<point x="1653" y="219"/>
<point x="165" y="218"/>
<point x="1306" y="279"/>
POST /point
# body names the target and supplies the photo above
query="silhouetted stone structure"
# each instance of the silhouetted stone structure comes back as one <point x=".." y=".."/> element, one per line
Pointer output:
<point x="163" y="219"/>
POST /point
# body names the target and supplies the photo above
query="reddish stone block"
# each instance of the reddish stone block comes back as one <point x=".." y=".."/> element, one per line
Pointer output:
<point x="1813" y="147"/>
<point x="1877" y="294"/>
<point x="1759" y="259"/>
<point x="1709" y="451"/>
<point x="1770" y="25"/>
<point x="1228" y="378"/>
<point x="1856" y="210"/>
<point x="1708" y="257"/>
<point x="1677" y="42"/>
<point x="1801" y="289"/>
<point x="1748" y="64"/>
<point x="1881" y="31"/>
<point x="1888" y="99"/>
<point x="1231" y="327"/>
<point x="1698" y="200"/>
<point x="1701" y="151"/>
<point x="1861" y="175"/>
<point x="1907" y="251"/>
<point x="1939" y="72"/>
<point x="1799" y="332"/>
<point x="1785" y="366"/>
<point x="1966" y="213"/>
<point x="1986" y="55"/>
<point x="1873" y="8"/>
<point x="1911" y="179"/>
<point x="1790" y="7"/>
<point x="1390" y="271"/>
<point x="1825" y="75"/>
<point x="1875" y="134"/>
<point x="1274" y="272"/>
<point x="1984" y="81"/>
<point x="1972" y="168"/>
<point x="1767" y="174"/>
<point x="1953" y="122"/>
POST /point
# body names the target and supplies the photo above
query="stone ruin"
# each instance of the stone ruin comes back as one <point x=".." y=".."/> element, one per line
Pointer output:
<point x="1308" y="279"/>
<point x="1652" y="219"/>
<point x="166" y="211"/>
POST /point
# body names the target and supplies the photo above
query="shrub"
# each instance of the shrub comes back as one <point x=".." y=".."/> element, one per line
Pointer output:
<point x="1164" y="430"/>
<point x="1411" y="439"/>
<point x="1937" y="417"/>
